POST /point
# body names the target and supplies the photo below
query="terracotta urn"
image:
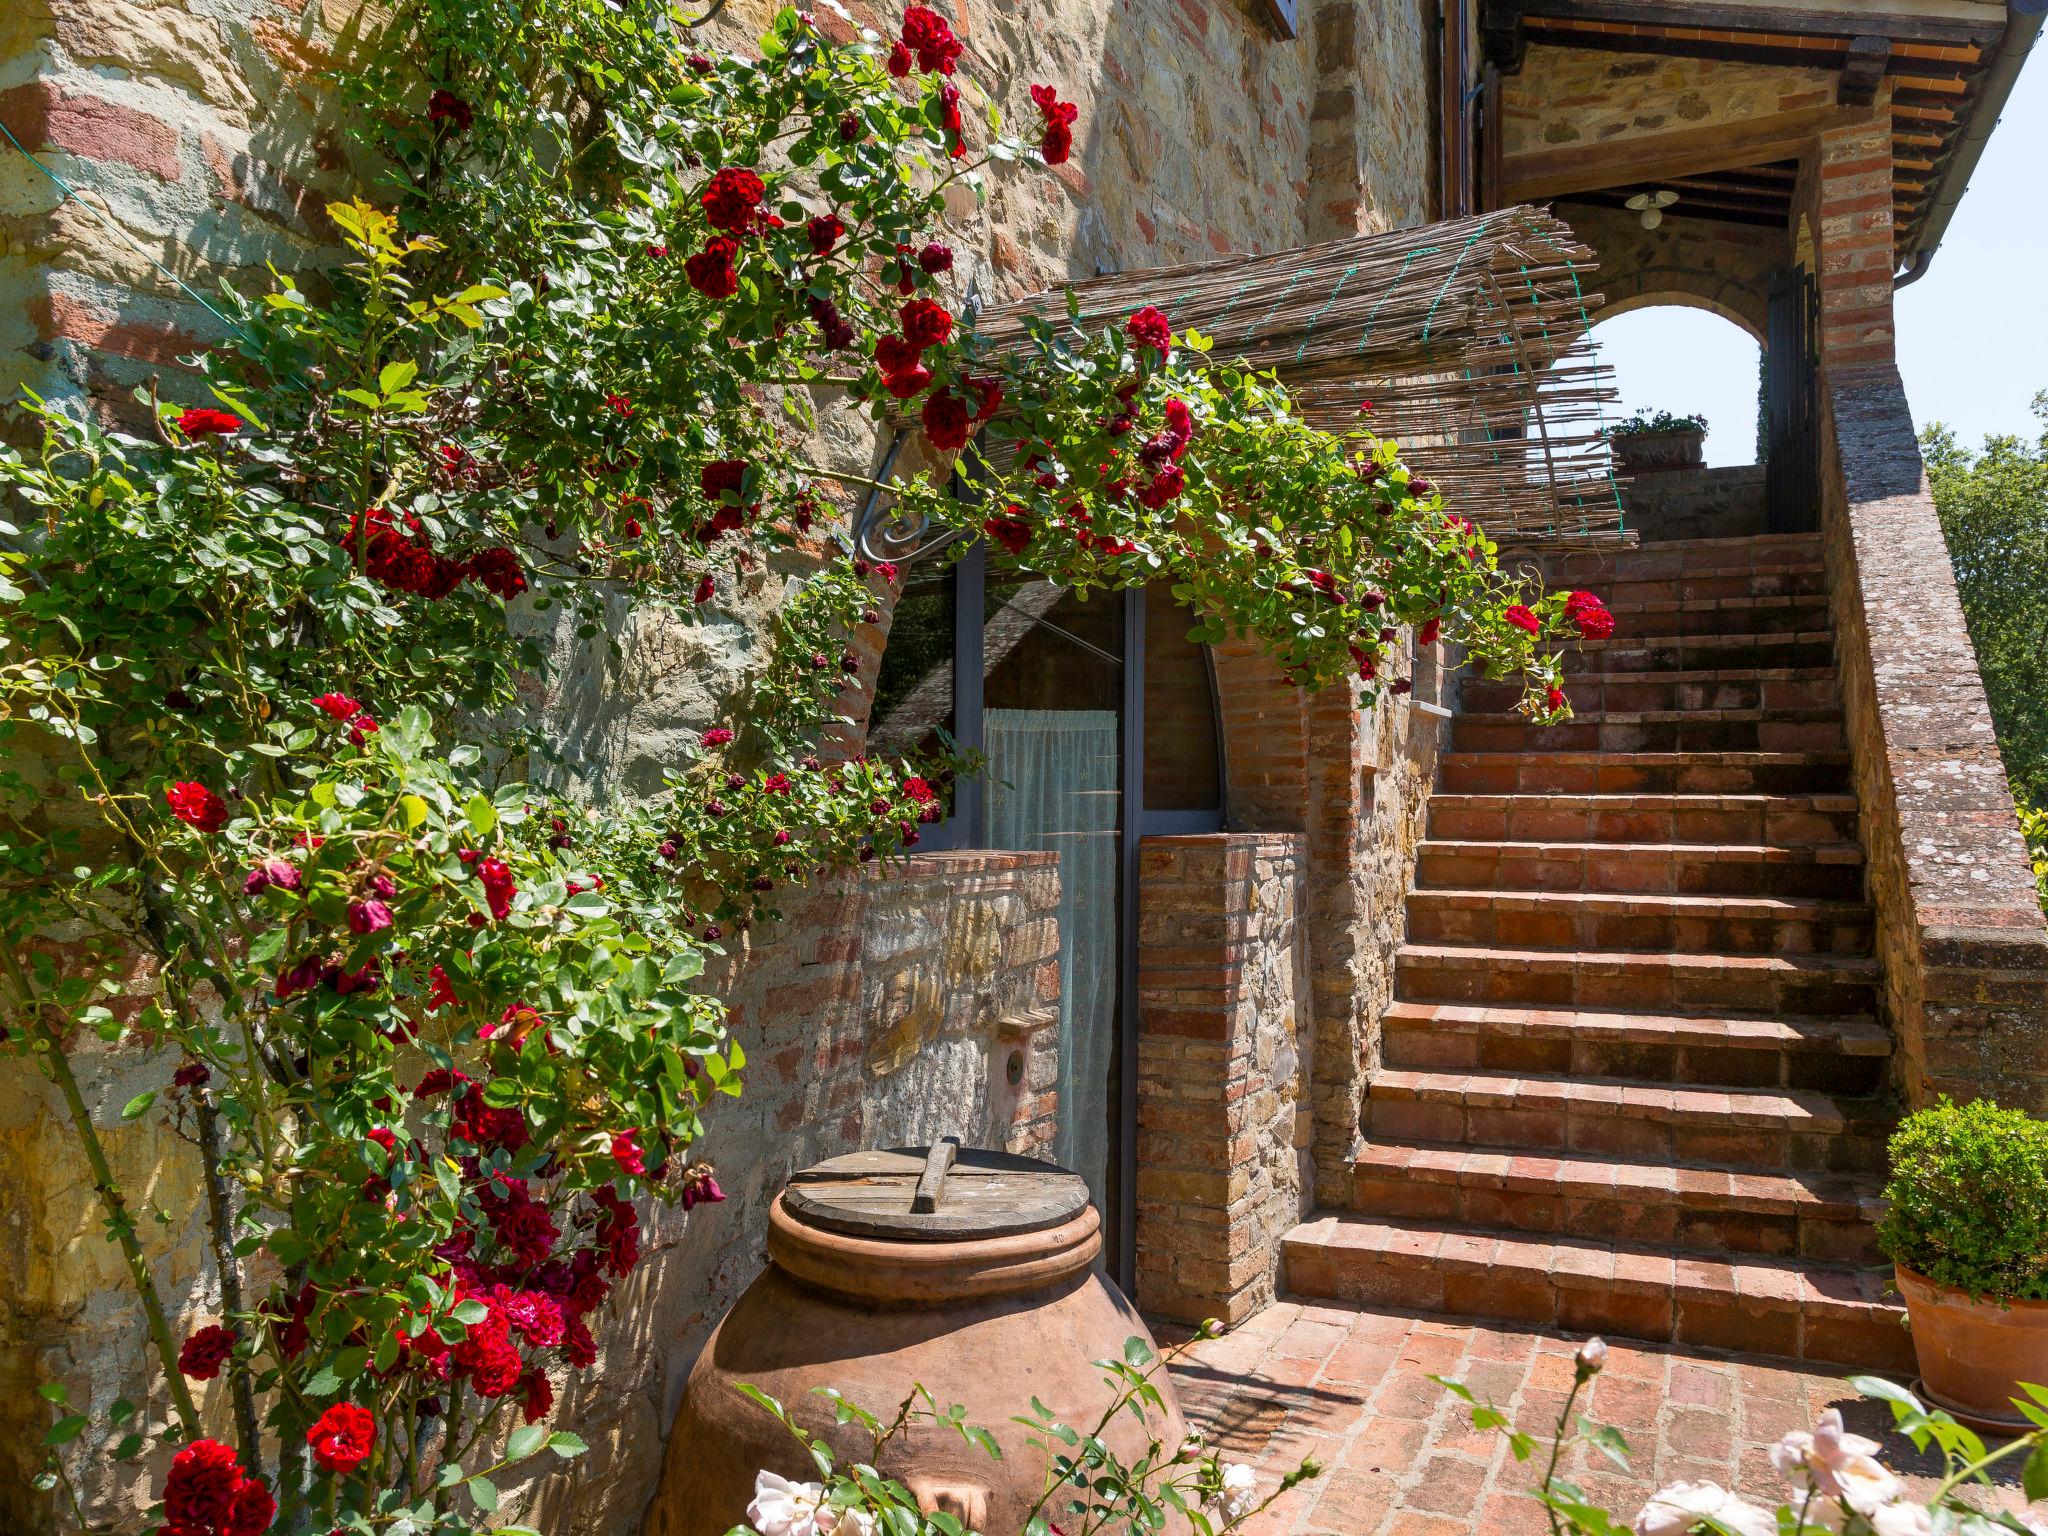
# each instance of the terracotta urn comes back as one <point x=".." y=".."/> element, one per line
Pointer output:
<point x="1974" y="1354"/>
<point x="986" y="1296"/>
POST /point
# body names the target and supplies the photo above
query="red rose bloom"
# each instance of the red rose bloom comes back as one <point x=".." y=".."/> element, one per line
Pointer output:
<point x="731" y="198"/>
<point x="1594" y="623"/>
<point x="722" y="477"/>
<point x="936" y="258"/>
<point x="253" y="1511"/>
<point x="717" y="736"/>
<point x="908" y="384"/>
<point x="824" y="232"/>
<point x="447" y="107"/>
<point x="926" y="324"/>
<point x="1431" y="628"/>
<point x="628" y="1153"/>
<point x="1522" y="618"/>
<point x="1165" y="487"/>
<point x="899" y="60"/>
<point x="711" y="272"/>
<point x="200" y="1491"/>
<point x="926" y="34"/>
<point x="538" y="1396"/>
<point x="498" y="570"/>
<point x="1149" y="328"/>
<point x="342" y="1438"/>
<point x="946" y="421"/>
<point x="706" y="589"/>
<point x="205" y="1351"/>
<point x="916" y="789"/>
<point x="1554" y="698"/>
<point x="496" y="876"/>
<point x="339" y="705"/>
<point x="896" y="354"/>
<point x="205" y="421"/>
<point x="194" y="1074"/>
<point x="1056" y="144"/>
<point x="197" y="806"/>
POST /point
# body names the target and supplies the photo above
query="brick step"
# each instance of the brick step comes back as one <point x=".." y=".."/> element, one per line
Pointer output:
<point x="1833" y="870"/>
<point x="1691" y="1208"/>
<point x="1672" y="557"/>
<point x="1646" y="818"/>
<point x="1803" y="1309"/>
<point x="1699" y="653"/>
<point x="1687" y="925"/>
<point x="1575" y="978"/>
<point x="1636" y="588"/>
<point x="1724" y="730"/>
<point x="1658" y="692"/>
<point x="1842" y="1054"/>
<point x="1775" y="1128"/>
<point x="1706" y="773"/>
<point x="1771" y="614"/>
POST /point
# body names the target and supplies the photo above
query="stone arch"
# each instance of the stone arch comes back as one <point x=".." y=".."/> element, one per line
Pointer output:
<point x="1752" y="327"/>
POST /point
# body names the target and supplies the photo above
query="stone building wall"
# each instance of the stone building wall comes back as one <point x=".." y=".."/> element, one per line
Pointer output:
<point x="1724" y="268"/>
<point x="1568" y="97"/>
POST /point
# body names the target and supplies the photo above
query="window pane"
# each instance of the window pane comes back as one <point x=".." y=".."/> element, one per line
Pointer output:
<point x="914" y="691"/>
<point x="1182" y="768"/>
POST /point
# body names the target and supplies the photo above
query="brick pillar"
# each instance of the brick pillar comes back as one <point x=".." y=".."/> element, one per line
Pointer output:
<point x="1223" y="1011"/>
<point x="1852" y="186"/>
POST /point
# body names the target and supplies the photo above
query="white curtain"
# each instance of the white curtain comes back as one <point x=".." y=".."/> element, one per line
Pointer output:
<point x="1053" y="783"/>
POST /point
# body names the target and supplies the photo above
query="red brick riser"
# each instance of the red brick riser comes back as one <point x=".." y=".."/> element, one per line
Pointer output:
<point x="1630" y="1081"/>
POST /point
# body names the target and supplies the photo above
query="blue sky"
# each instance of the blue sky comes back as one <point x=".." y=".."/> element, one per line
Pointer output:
<point x="1973" y="333"/>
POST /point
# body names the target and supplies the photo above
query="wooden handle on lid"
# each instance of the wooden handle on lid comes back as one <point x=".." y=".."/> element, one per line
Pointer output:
<point x="931" y="1184"/>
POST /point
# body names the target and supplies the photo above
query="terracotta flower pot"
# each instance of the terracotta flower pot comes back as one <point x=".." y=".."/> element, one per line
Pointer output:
<point x="1974" y="1354"/>
<point x="1651" y="453"/>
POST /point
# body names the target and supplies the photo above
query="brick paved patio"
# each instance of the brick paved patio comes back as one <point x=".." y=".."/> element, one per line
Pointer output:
<point x="1350" y="1386"/>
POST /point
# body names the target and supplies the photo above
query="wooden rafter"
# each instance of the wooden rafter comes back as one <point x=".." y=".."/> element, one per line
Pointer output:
<point x="1772" y="20"/>
<point x="1661" y="156"/>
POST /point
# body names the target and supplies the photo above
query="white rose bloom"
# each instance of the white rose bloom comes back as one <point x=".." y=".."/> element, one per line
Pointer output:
<point x="1848" y="1467"/>
<point x="783" y="1508"/>
<point x="850" y="1522"/>
<point x="1674" y="1511"/>
<point x="1902" y="1520"/>
<point x="1239" y="1493"/>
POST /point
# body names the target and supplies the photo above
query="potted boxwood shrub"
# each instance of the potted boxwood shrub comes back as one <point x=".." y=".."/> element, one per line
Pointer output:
<point x="1967" y="1231"/>
<point x="1654" y="442"/>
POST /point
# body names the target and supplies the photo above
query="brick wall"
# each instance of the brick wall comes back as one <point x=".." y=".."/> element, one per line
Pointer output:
<point x="1724" y="503"/>
<point x="1224" y="1009"/>
<point x="1724" y="268"/>
<point x="1845" y="195"/>
<point x="1959" y="929"/>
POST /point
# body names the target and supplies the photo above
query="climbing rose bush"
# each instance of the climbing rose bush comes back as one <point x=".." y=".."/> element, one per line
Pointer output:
<point x="277" y="805"/>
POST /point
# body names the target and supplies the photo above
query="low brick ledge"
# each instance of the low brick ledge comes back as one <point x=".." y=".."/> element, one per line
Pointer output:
<point x="1959" y="926"/>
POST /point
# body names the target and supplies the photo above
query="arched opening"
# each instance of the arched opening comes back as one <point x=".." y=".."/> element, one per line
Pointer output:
<point x="1687" y="356"/>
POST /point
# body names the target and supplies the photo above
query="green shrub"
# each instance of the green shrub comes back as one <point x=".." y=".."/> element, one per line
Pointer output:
<point x="2034" y="827"/>
<point x="1657" y="421"/>
<point x="1969" y="1199"/>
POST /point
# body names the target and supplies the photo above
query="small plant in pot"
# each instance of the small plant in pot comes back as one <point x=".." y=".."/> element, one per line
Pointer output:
<point x="1653" y="441"/>
<point x="1967" y="1231"/>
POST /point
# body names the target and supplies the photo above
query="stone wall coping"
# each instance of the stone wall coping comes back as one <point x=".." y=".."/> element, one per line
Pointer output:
<point x="944" y="862"/>
<point x="1224" y="839"/>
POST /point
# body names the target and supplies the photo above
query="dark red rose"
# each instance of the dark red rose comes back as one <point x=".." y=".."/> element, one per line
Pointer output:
<point x="197" y="806"/>
<point x="1164" y="487"/>
<point x="1431" y="628"/>
<point x="1056" y="143"/>
<point x="899" y="60"/>
<point x="1554" y="698"/>
<point x="824" y="232"/>
<point x="946" y="421"/>
<point x="706" y="589"/>
<point x="342" y="1438"/>
<point x="339" y="705"/>
<point x="926" y="34"/>
<point x="722" y="477"/>
<point x="496" y="876"/>
<point x="537" y="1396"/>
<point x="498" y="570"/>
<point x="1010" y="531"/>
<point x="936" y="258"/>
<point x="731" y="198"/>
<point x="1519" y="616"/>
<point x="371" y="916"/>
<point x="200" y="1490"/>
<point x="1149" y="328"/>
<point x="206" y="1351"/>
<point x="204" y="421"/>
<point x="849" y="127"/>
<point x="910" y="382"/>
<point x="447" y="107"/>
<point x="253" y="1512"/>
<point x="194" y="1074"/>
<point x="281" y="873"/>
<point x="711" y="272"/>
<point x="896" y="354"/>
<point x="926" y="323"/>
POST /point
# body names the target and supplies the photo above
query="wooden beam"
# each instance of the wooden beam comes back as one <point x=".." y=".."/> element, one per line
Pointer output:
<point x="1502" y="42"/>
<point x="1702" y="216"/>
<point x="1963" y="22"/>
<point x="1863" y="70"/>
<point x="1660" y="156"/>
<point x="1280" y="16"/>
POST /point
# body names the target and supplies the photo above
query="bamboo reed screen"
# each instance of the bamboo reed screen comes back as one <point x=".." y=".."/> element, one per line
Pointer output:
<point x="1468" y="337"/>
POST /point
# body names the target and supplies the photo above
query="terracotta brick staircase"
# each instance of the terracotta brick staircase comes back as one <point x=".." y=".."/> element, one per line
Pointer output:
<point x="1630" y="1082"/>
